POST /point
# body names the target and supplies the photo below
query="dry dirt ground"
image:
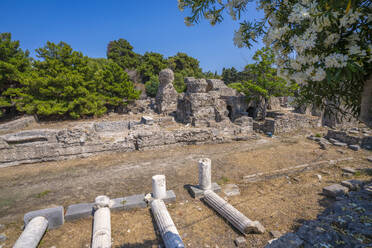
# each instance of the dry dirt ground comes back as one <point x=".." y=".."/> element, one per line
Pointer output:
<point x="279" y="204"/>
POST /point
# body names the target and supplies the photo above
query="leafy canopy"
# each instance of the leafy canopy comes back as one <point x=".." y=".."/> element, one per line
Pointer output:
<point x="14" y="62"/>
<point x="66" y="83"/>
<point x="325" y="46"/>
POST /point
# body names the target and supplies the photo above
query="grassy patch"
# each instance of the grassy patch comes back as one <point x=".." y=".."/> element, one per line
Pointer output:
<point x="318" y="135"/>
<point x="42" y="194"/>
<point x="6" y="202"/>
<point x="223" y="180"/>
<point x="123" y="202"/>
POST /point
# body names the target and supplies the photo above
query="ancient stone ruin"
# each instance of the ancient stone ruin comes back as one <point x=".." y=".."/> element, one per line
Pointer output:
<point x="166" y="97"/>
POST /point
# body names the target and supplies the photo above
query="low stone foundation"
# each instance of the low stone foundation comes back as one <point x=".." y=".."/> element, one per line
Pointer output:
<point x="87" y="139"/>
<point x="282" y="122"/>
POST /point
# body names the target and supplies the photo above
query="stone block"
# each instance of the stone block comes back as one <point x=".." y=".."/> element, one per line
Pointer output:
<point x="231" y="190"/>
<point x="369" y="159"/>
<point x="349" y="170"/>
<point x="197" y="193"/>
<point x="147" y="120"/>
<point x="335" y="190"/>
<point x="77" y="211"/>
<point x="354" y="147"/>
<point x="341" y="144"/>
<point x="171" y="196"/>
<point x="352" y="184"/>
<point x="53" y="215"/>
<point x="240" y="241"/>
<point x="129" y="202"/>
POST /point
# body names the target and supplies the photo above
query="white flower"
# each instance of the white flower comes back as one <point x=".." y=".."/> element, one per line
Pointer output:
<point x="355" y="50"/>
<point x="295" y="65"/>
<point x="299" y="77"/>
<point x="331" y="39"/>
<point x="309" y="71"/>
<point x="320" y="75"/>
<point x="298" y="13"/>
<point x="335" y="60"/>
<point x="350" y="18"/>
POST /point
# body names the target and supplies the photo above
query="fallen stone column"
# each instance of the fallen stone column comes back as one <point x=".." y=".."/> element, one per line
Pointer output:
<point x="36" y="223"/>
<point x="168" y="230"/>
<point x="205" y="178"/>
<point x="33" y="233"/>
<point x="236" y="218"/>
<point x="159" y="187"/>
<point x="101" y="237"/>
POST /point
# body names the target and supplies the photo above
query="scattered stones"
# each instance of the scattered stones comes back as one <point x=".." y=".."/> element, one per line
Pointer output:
<point x="240" y="241"/>
<point x="346" y="174"/>
<point x="340" y="144"/>
<point x="354" y="147"/>
<point x="349" y="170"/>
<point x="341" y="151"/>
<point x="335" y="190"/>
<point x="231" y="190"/>
<point x="352" y="184"/>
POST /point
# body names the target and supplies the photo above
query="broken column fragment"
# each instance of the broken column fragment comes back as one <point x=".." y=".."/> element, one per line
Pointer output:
<point x="36" y="223"/>
<point x="33" y="233"/>
<point x="236" y="218"/>
<point x="205" y="180"/>
<point x="231" y="214"/>
<point x="159" y="187"/>
<point x="101" y="237"/>
<point x="167" y="229"/>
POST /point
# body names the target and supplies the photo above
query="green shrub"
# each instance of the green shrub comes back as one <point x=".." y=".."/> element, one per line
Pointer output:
<point x="152" y="86"/>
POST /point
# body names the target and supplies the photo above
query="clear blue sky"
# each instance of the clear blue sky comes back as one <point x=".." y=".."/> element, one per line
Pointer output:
<point x="149" y="25"/>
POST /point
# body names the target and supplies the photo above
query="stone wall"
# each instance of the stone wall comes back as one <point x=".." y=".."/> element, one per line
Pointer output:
<point x="283" y="122"/>
<point x="87" y="139"/>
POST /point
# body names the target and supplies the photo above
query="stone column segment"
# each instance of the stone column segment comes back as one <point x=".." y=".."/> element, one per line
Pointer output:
<point x="101" y="237"/>
<point x="33" y="233"/>
<point x="205" y="178"/>
<point x="159" y="187"/>
<point x="167" y="229"/>
<point x="231" y="214"/>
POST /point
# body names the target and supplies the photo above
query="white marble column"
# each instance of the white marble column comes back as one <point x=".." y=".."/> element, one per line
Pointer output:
<point x="205" y="178"/>
<point x="159" y="190"/>
<point x="231" y="214"/>
<point x="33" y="233"/>
<point x="101" y="237"/>
<point x="167" y="229"/>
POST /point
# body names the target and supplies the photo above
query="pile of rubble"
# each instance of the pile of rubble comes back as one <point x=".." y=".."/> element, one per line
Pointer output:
<point x="347" y="223"/>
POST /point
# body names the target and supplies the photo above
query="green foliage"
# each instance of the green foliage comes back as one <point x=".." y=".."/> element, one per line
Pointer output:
<point x="341" y="85"/>
<point x="66" y="83"/>
<point x="232" y="75"/>
<point x="238" y="86"/>
<point x="265" y="82"/>
<point x="121" y="52"/>
<point x="152" y="86"/>
<point x="14" y="62"/>
<point x="151" y="64"/>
